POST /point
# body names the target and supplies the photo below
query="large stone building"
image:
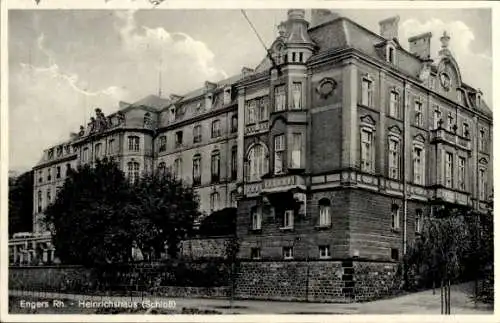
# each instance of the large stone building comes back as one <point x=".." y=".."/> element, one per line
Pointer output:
<point x="335" y="146"/>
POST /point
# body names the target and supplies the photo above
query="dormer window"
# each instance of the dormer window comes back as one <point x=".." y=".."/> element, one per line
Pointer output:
<point x="391" y="54"/>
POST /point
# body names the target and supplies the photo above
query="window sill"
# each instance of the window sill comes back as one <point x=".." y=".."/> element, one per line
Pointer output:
<point x="287" y="258"/>
<point x="255" y="231"/>
<point x="286" y="229"/>
<point x="323" y="227"/>
<point x="325" y="258"/>
<point x="395" y="230"/>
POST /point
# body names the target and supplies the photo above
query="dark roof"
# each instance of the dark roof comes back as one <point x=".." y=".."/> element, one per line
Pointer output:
<point x="152" y="101"/>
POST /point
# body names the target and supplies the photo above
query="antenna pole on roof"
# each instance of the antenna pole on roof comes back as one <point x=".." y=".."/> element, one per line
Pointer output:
<point x="260" y="39"/>
<point x="159" y="76"/>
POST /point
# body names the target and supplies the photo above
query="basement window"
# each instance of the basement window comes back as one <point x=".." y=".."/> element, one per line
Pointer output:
<point x="394" y="254"/>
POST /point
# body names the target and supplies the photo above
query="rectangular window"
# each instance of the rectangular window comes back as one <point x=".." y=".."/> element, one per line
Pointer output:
<point x="163" y="143"/>
<point x="324" y="252"/>
<point x="367" y="92"/>
<point x="85" y="155"/>
<point x="178" y="139"/>
<point x="394" y="254"/>
<point x="394" y="104"/>
<point x="215" y="167"/>
<point x="255" y="253"/>
<point x="481" y="140"/>
<point x="449" y="170"/>
<point x="178" y="168"/>
<point x="49" y="176"/>
<point x="287" y="252"/>
<point x="279" y="153"/>
<point x="98" y="151"/>
<point x="227" y="96"/>
<point x="111" y="146"/>
<point x="234" y="124"/>
<point x="256" y="219"/>
<point x="296" y="150"/>
<point x="133" y="143"/>
<point x="133" y="172"/>
<point x="418" y="220"/>
<point x="394" y="159"/>
<point x="465" y="130"/>
<point x="40" y="176"/>
<point x="482" y="184"/>
<point x="216" y="129"/>
<point x="450" y="123"/>
<point x="395" y="217"/>
<point x="251" y="112"/>
<point x="419" y="120"/>
<point x="234" y="201"/>
<point x="49" y="196"/>
<point x="214" y="201"/>
<point x="461" y="172"/>
<point x="40" y="201"/>
<point x="437" y="118"/>
<point x="297" y="96"/>
<point x="288" y="219"/>
<point x="418" y="166"/>
<point x="197" y="134"/>
<point x="279" y="98"/>
<point x="234" y="163"/>
<point x="366" y="151"/>
<point x="197" y="171"/>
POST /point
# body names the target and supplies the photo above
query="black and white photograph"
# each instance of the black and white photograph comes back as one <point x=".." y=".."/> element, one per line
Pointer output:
<point x="165" y="159"/>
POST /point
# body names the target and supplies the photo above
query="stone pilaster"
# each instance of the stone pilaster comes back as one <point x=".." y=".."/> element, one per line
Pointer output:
<point x="349" y="115"/>
<point x="241" y="133"/>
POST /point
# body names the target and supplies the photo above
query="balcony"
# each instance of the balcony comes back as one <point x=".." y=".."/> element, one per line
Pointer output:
<point x="283" y="183"/>
<point x="451" y="196"/>
<point x="443" y="136"/>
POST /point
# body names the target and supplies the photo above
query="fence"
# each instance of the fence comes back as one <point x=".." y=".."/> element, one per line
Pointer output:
<point x="207" y="278"/>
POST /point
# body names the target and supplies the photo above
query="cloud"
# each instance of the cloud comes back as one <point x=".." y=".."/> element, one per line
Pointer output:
<point x="475" y="67"/>
<point x="185" y="61"/>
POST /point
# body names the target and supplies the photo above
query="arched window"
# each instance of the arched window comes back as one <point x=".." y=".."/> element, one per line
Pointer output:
<point x="257" y="162"/>
<point x="133" y="172"/>
<point x="215" y="166"/>
<point x="197" y="169"/>
<point x="325" y="213"/>
<point x="162" y="167"/>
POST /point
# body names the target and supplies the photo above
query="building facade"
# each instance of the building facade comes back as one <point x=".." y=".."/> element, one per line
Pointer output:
<point x="349" y="141"/>
<point x="335" y="146"/>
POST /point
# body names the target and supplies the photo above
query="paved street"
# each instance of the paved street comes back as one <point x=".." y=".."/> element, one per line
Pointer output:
<point x="417" y="303"/>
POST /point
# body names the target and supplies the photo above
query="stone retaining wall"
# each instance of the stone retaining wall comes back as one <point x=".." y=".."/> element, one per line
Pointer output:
<point x="317" y="281"/>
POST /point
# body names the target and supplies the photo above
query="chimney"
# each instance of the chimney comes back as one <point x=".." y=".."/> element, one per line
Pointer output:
<point x="175" y="97"/>
<point x="210" y="86"/>
<point x="296" y="14"/>
<point x="245" y="71"/>
<point x="420" y="45"/>
<point x="320" y="16"/>
<point x="389" y="28"/>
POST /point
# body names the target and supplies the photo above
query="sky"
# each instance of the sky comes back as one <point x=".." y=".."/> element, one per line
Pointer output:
<point x="65" y="63"/>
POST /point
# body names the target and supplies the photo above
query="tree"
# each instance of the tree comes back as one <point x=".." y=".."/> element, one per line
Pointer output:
<point x="449" y="249"/>
<point x="163" y="211"/>
<point x="86" y="219"/>
<point x="21" y="203"/>
<point x="219" y="223"/>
